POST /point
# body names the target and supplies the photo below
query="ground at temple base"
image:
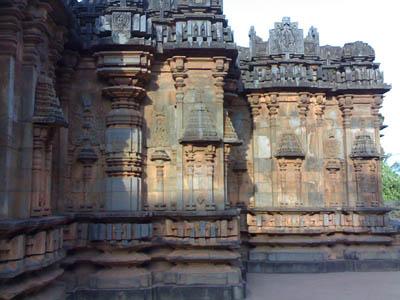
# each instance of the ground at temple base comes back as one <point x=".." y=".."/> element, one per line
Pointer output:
<point x="331" y="286"/>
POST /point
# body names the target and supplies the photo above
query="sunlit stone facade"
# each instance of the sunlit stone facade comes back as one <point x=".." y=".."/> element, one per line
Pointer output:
<point x="144" y="155"/>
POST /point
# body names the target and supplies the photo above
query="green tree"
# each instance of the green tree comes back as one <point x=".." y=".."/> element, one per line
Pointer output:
<point x="391" y="184"/>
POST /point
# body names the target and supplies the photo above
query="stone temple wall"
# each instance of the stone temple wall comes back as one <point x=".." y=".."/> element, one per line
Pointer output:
<point x="144" y="155"/>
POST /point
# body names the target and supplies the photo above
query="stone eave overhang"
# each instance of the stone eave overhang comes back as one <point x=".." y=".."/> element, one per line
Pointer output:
<point x="204" y="16"/>
<point x="184" y="49"/>
<point x="323" y="88"/>
<point x="136" y="43"/>
<point x="310" y="60"/>
<point x="9" y="228"/>
<point x="115" y="47"/>
<point x="147" y="216"/>
<point x="13" y="227"/>
<point x="134" y="9"/>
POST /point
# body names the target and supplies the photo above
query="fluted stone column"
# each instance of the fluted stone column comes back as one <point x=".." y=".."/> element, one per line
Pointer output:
<point x="125" y="73"/>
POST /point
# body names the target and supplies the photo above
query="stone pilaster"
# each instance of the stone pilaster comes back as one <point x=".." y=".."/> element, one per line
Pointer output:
<point x="179" y="75"/>
<point x="160" y="157"/>
<point x="375" y="108"/>
<point x="262" y="106"/>
<point x="346" y="106"/>
<point x="10" y="38"/>
<point x="220" y="73"/>
<point x="227" y="162"/>
<point x="33" y="38"/>
<point x="62" y="173"/>
<point x="125" y="72"/>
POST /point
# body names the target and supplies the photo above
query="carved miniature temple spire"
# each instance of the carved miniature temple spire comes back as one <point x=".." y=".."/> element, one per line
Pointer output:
<point x="364" y="147"/>
<point x="289" y="147"/>
<point x="47" y="116"/>
<point x="199" y="127"/>
<point x="230" y="135"/>
<point x="48" y="110"/>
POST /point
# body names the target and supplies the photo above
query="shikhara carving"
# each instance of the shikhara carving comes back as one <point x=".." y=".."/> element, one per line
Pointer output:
<point x="146" y="156"/>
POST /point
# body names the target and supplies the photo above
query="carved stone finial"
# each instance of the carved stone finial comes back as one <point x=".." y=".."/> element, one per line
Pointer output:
<point x="311" y="42"/>
<point x="286" y="38"/>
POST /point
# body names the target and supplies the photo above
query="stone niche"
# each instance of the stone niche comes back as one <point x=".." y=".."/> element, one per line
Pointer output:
<point x="145" y="156"/>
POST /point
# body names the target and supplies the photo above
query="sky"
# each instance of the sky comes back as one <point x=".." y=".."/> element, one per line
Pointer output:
<point x="338" y="22"/>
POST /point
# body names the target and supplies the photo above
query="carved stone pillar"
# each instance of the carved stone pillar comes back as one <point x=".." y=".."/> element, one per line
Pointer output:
<point x="272" y="105"/>
<point x="10" y="26"/>
<point x="219" y="74"/>
<point x="334" y="183"/>
<point x="125" y="73"/>
<point x="346" y="105"/>
<point x="179" y="74"/>
<point x="320" y="105"/>
<point x="87" y="157"/>
<point x="257" y="108"/>
<point x="38" y="202"/>
<point x="160" y="157"/>
<point x="375" y="108"/>
<point x="31" y="64"/>
<point x="190" y="162"/>
<point x="303" y="105"/>
<point x="210" y="162"/>
<point x="62" y="172"/>
<point x="227" y="152"/>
